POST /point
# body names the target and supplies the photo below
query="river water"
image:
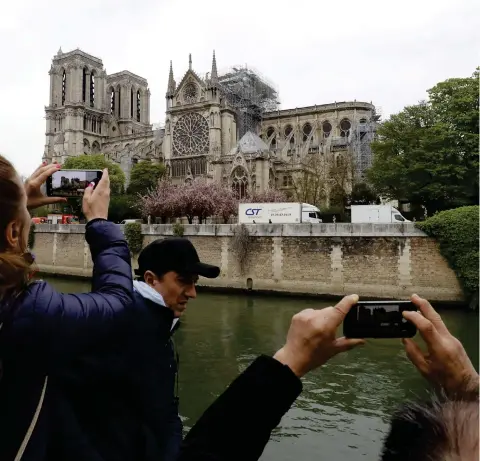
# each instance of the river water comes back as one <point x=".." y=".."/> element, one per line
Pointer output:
<point x="344" y="409"/>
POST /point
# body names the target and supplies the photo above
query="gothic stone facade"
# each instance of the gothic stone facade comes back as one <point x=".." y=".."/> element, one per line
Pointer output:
<point x="93" y="112"/>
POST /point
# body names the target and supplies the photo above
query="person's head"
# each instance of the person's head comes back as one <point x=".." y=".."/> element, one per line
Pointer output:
<point x="171" y="267"/>
<point x="14" y="225"/>
<point x="440" y="430"/>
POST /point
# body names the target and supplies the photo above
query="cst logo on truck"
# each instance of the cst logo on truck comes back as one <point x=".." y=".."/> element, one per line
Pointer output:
<point x="252" y="211"/>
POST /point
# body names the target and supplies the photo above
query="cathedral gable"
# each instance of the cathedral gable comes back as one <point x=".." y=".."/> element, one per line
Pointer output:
<point x="190" y="90"/>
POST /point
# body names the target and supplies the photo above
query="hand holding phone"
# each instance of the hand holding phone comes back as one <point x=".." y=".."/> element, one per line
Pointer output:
<point x="446" y="363"/>
<point x="34" y="183"/>
<point x="379" y="319"/>
<point x="97" y="200"/>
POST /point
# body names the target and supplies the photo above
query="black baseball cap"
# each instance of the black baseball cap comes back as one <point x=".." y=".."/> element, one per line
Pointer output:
<point x="173" y="254"/>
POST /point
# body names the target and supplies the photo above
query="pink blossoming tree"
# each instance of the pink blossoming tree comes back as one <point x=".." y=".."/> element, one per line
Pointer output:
<point x="199" y="199"/>
<point x="267" y="196"/>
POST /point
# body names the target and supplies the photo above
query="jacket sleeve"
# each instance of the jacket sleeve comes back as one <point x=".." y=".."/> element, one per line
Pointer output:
<point x="49" y="325"/>
<point x="237" y="426"/>
<point x="174" y="441"/>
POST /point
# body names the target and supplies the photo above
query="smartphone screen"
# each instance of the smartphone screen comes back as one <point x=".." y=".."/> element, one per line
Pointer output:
<point x="71" y="183"/>
<point x="379" y="319"/>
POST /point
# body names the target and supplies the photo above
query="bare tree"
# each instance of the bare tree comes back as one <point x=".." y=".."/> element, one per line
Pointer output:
<point x="321" y="179"/>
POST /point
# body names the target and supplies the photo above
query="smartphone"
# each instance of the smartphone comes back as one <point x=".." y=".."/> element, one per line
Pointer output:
<point x="379" y="319"/>
<point x="71" y="183"/>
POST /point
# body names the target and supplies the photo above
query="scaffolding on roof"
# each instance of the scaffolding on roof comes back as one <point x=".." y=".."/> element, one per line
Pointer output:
<point x="250" y="95"/>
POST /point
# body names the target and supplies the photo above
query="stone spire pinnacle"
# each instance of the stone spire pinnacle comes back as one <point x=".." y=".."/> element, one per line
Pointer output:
<point x="214" y="73"/>
<point x="190" y="61"/>
<point x="59" y="52"/>
<point x="171" y="82"/>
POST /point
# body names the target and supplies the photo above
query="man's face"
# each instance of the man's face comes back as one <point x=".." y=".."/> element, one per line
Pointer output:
<point x="175" y="289"/>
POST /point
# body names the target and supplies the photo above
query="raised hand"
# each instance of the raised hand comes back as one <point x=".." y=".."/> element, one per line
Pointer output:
<point x="445" y="364"/>
<point x="96" y="201"/>
<point x="311" y="339"/>
<point x="35" y="198"/>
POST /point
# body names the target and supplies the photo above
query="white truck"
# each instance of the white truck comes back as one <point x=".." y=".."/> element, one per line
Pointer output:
<point x="278" y="213"/>
<point x="376" y="214"/>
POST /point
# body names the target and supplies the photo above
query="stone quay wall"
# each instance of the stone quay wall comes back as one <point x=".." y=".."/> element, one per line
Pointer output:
<point x="372" y="260"/>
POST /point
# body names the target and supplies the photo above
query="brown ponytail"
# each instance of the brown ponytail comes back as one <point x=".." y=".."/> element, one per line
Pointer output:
<point x="15" y="268"/>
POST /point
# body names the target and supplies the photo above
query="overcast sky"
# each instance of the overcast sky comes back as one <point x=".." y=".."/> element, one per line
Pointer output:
<point x="314" y="51"/>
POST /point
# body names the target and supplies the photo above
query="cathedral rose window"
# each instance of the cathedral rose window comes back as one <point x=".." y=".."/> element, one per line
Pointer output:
<point x="190" y="135"/>
<point x="190" y="93"/>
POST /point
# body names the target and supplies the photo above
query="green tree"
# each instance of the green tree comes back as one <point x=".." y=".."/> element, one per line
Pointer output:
<point x="123" y="207"/>
<point x="428" y="153"/>
<point x="99" y="162"/>
<point x="144" y="177"/>
<point x="362" y="194"/>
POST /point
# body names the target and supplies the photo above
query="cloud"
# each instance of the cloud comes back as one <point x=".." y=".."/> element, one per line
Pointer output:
<point x="313" y="51"/>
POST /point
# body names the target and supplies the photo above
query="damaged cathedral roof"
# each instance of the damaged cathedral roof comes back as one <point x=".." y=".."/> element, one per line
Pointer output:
<point x="250" y="143"/>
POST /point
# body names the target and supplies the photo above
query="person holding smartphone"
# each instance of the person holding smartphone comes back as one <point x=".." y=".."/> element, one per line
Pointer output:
<point x="40" y="328"/>
<point x="237" y="426"/>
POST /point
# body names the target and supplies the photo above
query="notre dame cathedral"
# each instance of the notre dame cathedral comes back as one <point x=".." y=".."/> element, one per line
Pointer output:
<point x="223" y="127"/>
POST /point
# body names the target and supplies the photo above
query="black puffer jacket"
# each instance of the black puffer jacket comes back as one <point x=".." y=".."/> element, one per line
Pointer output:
<point x="45" y="329"/>
<point x="119" y="400"/>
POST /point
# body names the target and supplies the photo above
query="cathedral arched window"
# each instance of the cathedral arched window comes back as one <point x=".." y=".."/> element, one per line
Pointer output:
<point x="239" y="182"/>
<point x="345" y="126"/>
<point x="84" y="84"/>
<point x="95" y="147"/>
<point x="307" y="129"/>
<point x="92" y="89"/>
<point x="86" y="146"/>
<point x="288" y="130"/>
<point x="138" y="106"/>
<point x="64" y="86"/>
<point x="112" y="101"/>
<point x="270" y="133"/>
<point x="327" y="129"/>
<point x="119" y="101"/>
<point x="84" y="123"/>
<point x="132" y="103"/>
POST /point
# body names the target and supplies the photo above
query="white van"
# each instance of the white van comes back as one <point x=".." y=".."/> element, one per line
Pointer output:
<point x="128" y="221"/>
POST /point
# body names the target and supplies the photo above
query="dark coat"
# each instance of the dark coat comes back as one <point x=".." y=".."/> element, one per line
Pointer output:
<point x="237" y="426"/>
<point x="119" y="399"/>
<point x="43" y="329"/>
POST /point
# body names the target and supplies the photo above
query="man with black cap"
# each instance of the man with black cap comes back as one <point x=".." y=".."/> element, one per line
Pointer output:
<point x="121" y="402"/>
<point x="168" y="270"/>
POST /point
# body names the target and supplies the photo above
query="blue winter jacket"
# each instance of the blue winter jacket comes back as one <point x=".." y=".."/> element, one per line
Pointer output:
<point x="45" y="329"/>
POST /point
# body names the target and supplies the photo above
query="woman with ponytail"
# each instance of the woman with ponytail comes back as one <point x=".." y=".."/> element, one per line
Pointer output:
<point x="41" y="329"/>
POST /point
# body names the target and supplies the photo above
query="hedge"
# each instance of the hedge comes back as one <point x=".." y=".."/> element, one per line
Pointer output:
<point x="456" y="231"/>
<point x="134" y="237"/>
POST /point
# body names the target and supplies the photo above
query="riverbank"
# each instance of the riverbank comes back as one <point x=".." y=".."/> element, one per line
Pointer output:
<point x="329" y="260"/>
<point x="246" y="293"/>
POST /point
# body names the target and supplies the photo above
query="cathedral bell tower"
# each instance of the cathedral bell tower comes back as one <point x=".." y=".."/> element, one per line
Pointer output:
<point x="76" y="117"/>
